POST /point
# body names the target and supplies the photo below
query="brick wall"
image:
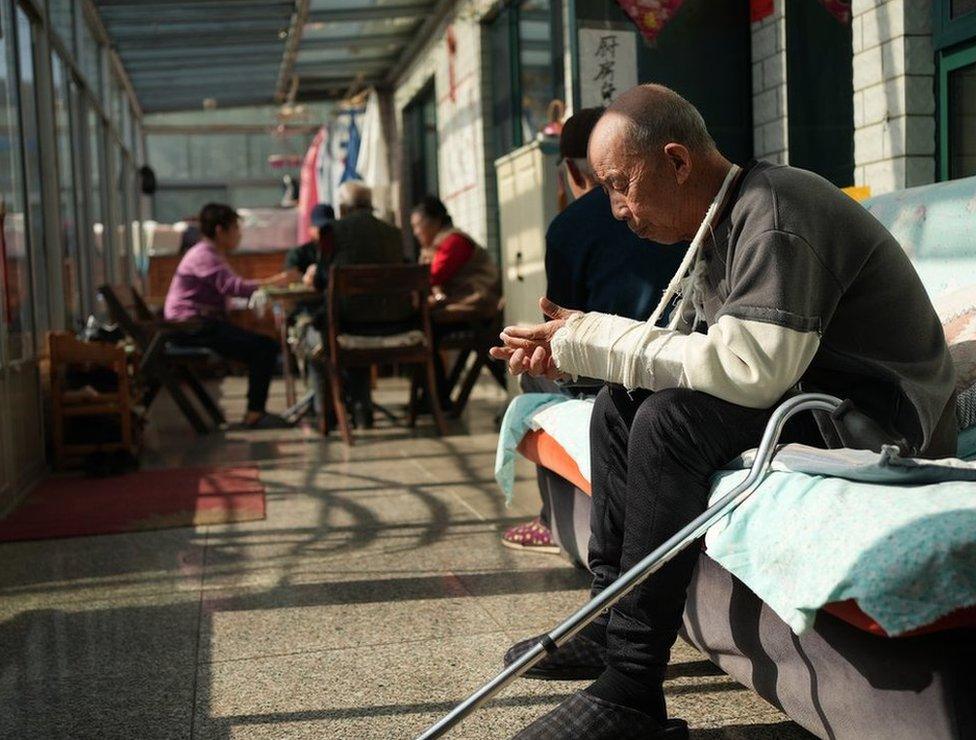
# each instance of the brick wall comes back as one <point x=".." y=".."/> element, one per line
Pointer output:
<point x="769" y="115"/>
<point x="894" y="102"/>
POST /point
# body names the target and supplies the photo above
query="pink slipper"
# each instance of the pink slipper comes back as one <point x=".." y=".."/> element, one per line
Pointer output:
<point x="533" y="536"/>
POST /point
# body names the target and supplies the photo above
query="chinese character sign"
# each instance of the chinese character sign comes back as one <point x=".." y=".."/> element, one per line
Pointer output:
<point x="608" y="64"/>
<point x="650" y="16"/>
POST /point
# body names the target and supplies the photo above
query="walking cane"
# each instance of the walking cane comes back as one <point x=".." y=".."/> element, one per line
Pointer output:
<point x="650" y="564"/>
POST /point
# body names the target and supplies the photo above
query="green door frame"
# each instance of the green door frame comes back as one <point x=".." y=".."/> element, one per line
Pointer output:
<point x="949" y="61"/>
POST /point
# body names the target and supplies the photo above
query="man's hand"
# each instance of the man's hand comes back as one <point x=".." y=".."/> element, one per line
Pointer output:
<point x="527" y="349"/>
<point x="309" y="277"/>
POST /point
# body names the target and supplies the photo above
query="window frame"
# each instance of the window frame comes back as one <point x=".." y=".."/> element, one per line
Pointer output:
<point x="510" y="13"/>
<point x="947" y="62"/>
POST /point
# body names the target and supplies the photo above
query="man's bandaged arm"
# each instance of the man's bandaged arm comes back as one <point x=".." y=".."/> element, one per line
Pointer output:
<point x="750" y="363"/>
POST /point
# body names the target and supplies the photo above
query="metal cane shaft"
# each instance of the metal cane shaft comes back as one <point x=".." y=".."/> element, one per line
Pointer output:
<point x="653" y="562"/>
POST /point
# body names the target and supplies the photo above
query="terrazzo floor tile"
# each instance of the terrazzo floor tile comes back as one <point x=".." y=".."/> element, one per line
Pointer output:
<point x="152" y="704"/>
<point x="106" y="638"/>
<point x="233" y="630"/>
<point x="81" y="569"/>
<point x="391" y="692"/>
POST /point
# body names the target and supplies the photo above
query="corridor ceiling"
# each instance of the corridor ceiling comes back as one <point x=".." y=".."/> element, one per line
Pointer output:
<point x="180" y="53"/>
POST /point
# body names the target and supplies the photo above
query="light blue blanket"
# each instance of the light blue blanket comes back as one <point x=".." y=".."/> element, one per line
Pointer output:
<point x="899" y="538"/>
<point x="897" y="535"/>
<point x="516" y="422"/>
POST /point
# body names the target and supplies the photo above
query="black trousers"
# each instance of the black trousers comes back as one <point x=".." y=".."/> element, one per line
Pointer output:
<point x="257" y="351"/>
<point x="653" y="456"/>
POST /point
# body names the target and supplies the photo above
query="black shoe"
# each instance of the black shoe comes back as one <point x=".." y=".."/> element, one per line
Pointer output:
<point x="269" y="421"/>
<point x="580" y="659"/>
<point x="593" y="718"/>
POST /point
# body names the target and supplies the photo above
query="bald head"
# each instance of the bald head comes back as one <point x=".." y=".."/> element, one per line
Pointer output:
<point x="354" y="195"/>
<point x="655" y="115"/>
<point x="654" y="156"/>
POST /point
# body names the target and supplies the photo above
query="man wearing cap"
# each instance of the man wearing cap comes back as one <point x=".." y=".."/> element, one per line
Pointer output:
<point x="299" y="260"/>
<point x="593" y="263"/>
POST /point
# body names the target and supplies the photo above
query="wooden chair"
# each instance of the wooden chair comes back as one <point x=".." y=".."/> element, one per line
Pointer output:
<point x="162" y="364"/>
<point x="350" y="350"/>
<point x="473" y="337"/>
<point x="66" y="352"/>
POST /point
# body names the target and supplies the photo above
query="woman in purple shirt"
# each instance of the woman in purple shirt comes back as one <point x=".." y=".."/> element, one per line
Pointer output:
<point x="199" y="291"/>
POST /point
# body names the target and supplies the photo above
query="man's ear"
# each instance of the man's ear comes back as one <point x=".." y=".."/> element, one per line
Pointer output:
<point x="679" y="159"/>
<point x="575" y="174"/>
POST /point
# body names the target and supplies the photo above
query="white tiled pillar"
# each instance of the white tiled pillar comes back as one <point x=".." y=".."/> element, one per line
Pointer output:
<point x="894" y="100"/>
<point x="769" y="121"/>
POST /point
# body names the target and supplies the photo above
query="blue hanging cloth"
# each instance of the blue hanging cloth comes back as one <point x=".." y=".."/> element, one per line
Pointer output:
<point x="352" y="151"/>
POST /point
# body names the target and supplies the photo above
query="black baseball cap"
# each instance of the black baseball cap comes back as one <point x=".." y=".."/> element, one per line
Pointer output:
<point x="322" y="215"/>
<point x="576" y="133"/>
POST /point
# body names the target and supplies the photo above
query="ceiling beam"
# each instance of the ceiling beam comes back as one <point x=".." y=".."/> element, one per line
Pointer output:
<point x="215" y="29"/>
<point x="199" y="57"/>
<point x="217" y="5"/>
<point x="201" y="63"/>
<point x="371" y="13"/>
<point x="213" y="85"/>
<point x="286" y="70"/>
<point x="184" y="15"/>
<point x="353" y="64"/>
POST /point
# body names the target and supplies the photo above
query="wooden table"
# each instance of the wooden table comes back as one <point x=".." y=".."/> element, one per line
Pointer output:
<point x="283" y="302"/>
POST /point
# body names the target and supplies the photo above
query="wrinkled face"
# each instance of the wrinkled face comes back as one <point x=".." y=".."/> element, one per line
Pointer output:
<point x="643" y="187"/>
<point x="424" y="229"/>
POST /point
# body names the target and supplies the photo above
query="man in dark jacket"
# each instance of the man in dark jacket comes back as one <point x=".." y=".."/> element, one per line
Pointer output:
<point x="593" y="263"/>
<point x="359" y="238"/>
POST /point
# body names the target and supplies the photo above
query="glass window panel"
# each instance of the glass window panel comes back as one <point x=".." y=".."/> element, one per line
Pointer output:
<point x="123" y="236"/>
<point x="540" y="67"/>
<point x="959" y="8"/>
<point x="962" y="121"/>
<point x="32" y="160"/>
<point x="169" y="155"/>
<point x="72" y="272"/>
<point x="126" y="130"/>
<point x="500" y="36"/>
<point x="96" y="205"/>
<point x="140" y="264"/>
<point x="90" y="57"/>
<point x="16" y="288"/>
<point x="62" y="14"/>
<point x="217" y="156"/>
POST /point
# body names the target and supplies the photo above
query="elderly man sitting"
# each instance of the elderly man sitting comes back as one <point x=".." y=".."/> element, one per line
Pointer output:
<point x="791" y="284"/>
<point x="357" y="238"/>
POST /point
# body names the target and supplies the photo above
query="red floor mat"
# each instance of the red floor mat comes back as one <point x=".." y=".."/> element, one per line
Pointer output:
<point x="152" y="499"/>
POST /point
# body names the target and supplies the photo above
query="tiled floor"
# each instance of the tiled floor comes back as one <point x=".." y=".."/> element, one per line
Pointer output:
<point x="373" y="597"/>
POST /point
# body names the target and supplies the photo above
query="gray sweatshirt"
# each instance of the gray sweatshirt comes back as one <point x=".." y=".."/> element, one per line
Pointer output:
<point x="801" y="285"/>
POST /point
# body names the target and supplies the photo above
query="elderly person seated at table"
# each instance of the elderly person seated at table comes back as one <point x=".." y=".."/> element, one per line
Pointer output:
<point x="198" y="295"/>
<point x="301" y="261"/>
<point x="357" y="238"/>
<point x="790" y="283"/>
<point x="465" y="282"/>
